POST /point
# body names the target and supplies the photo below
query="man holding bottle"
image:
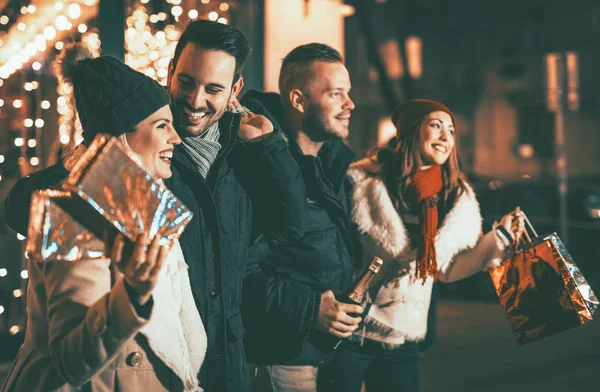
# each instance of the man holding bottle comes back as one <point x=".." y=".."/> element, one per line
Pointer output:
<point x="288" y="327"/>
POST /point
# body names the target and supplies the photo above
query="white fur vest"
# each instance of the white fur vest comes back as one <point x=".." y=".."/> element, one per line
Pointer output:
<point x="398" y="303"/>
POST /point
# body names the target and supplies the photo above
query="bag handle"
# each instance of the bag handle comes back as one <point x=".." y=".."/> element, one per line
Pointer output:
<point x="529" y="226"/>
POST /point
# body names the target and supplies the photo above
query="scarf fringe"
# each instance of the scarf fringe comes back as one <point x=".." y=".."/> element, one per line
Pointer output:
<point x="428" y="183"/>
<point x="191" y="381"/>
<point x="427" y="261"/>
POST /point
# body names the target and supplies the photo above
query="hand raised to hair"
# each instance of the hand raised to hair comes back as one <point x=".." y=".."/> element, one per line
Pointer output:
<point x="253" y="127"/>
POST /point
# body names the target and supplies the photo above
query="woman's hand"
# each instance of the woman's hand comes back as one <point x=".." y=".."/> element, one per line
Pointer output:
<point x="514" y="223"/>
<point x="141" y="269"/>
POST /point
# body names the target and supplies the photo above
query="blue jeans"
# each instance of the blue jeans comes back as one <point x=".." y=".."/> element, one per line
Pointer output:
<point x="380" y="367"/>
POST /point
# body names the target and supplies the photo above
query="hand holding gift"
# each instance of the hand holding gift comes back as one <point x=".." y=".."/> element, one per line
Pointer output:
<point x="140" y="270"/>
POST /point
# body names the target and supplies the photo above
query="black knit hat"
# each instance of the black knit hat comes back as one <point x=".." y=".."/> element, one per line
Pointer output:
<point x="110" y="96"/>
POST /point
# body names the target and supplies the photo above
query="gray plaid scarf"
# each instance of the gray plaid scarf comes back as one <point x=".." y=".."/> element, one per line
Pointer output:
<point x="203" y="150"/>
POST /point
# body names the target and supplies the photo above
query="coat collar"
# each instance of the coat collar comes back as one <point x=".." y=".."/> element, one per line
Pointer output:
<point x="375" y="215"/>
<point x="229" y="126"/>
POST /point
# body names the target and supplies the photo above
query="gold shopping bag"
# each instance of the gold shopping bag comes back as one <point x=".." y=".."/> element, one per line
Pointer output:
<point x="541" y="288"/>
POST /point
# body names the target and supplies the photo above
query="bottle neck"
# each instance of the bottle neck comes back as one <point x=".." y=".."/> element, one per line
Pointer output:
<point x="358" y="292"/>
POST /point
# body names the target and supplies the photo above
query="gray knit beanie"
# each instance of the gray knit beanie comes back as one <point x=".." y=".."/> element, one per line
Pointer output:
<point x="110" y="96"/>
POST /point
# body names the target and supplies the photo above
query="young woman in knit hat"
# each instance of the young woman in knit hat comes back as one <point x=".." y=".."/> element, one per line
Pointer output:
<point x="129" y="323"/>
<point x="417" y="212"/>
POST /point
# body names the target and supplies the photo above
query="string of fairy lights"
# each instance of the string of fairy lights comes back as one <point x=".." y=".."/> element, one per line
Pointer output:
<point x="151" y="38"/>
<point x="37" y="28"/>
<point x="24" y="68"/>
<point x="40" y="30"/>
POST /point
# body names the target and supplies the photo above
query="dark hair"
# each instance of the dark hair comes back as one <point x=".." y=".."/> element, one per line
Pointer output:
<point x="215" y="36"/>
<point x="293" y="68"/>
<point x="399" y="164"/>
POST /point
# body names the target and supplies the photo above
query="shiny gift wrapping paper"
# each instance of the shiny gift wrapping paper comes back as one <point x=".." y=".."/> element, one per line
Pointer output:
<point x="54" y="235"/>
<point x="107" y="192"/>
<point x="542" y="290"/>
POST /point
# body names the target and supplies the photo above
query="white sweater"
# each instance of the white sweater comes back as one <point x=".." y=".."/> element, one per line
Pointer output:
<point x="399" y="302"/>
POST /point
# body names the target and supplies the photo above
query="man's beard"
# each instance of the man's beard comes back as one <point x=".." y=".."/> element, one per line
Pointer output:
<point x="314" y="126"/>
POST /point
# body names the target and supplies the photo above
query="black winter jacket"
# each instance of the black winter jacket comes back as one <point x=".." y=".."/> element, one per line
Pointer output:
<point x="280" y="319"/>
<point x="215" y="243"/>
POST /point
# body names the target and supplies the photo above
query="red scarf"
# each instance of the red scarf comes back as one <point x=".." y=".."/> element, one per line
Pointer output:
<point x="427" y="184"/>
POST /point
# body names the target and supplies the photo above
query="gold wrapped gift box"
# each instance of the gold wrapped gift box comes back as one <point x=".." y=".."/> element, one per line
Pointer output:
<point x="107" y="192"/>
<point x="54" y="235"/>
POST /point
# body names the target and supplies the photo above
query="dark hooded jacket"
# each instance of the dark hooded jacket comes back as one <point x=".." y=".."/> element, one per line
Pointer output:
<point x="281" y="327"/>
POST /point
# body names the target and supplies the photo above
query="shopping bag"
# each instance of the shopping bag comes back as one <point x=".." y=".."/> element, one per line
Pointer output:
<point x="541" y="288"/>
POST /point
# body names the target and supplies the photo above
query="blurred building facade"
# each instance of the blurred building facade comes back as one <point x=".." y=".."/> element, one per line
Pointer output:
<point x="486" y="60"/>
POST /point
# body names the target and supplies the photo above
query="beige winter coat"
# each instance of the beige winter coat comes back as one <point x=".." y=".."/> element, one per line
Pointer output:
<point x="84" y="334"/>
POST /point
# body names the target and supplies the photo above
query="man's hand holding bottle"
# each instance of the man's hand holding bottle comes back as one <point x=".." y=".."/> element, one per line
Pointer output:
<point x="337" y="318"/>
